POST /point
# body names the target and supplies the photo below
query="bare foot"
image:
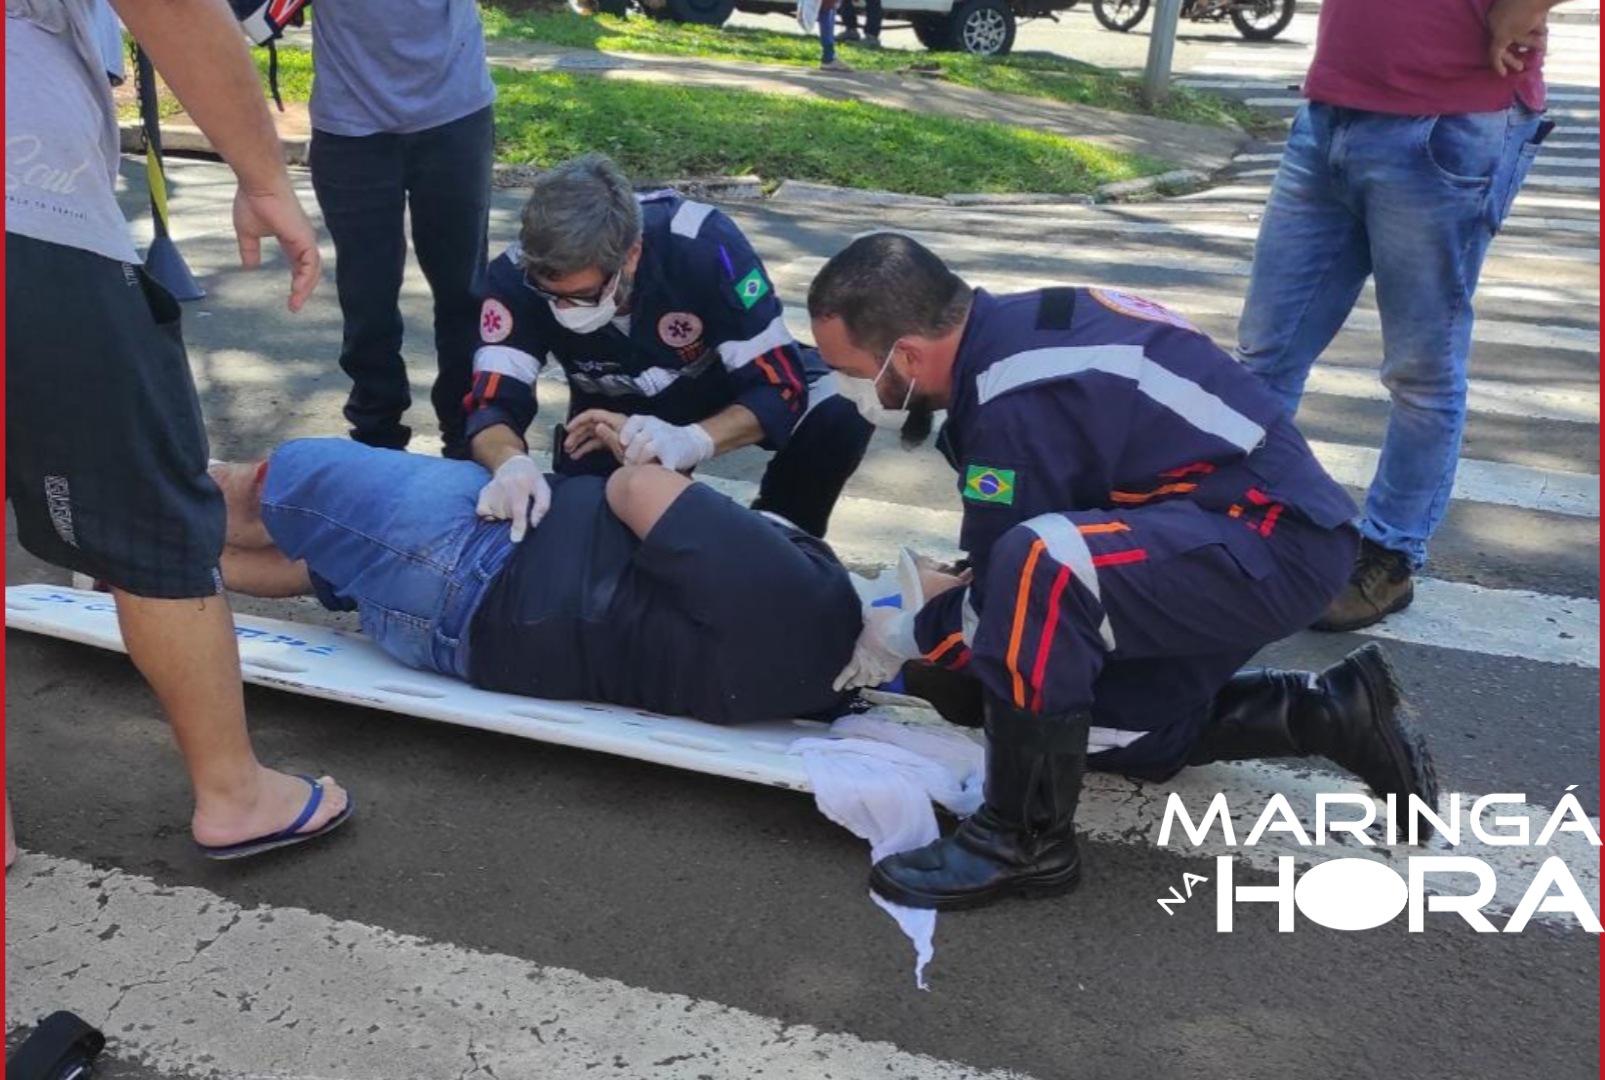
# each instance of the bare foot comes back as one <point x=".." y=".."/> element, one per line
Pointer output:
<point x="242" y="495"/>
<point x="275" y="804"/>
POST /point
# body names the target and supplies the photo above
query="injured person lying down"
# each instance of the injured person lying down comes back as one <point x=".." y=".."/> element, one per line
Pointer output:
<point x="644" y="589"/>
<point x="651" y="591"/>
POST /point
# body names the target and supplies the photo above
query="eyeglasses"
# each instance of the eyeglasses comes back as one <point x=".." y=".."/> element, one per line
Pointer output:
<point x="592" y="298"/>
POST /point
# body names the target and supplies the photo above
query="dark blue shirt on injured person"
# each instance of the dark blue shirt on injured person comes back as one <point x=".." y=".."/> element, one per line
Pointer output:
<point x="719" y="614"/>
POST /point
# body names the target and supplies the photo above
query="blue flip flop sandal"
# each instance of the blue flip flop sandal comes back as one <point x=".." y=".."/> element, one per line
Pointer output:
<point x="287" y="836"/>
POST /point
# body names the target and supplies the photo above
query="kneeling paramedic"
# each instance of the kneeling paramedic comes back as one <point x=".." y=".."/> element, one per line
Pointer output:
<point x="671" y="338"/>
<point x="1140" y="517"/>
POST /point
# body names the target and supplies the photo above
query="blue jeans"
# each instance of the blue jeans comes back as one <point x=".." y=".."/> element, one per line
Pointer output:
<point x="1412" y="201"/>
<point x="827" y="34"/>
<point x="394" y="536"/>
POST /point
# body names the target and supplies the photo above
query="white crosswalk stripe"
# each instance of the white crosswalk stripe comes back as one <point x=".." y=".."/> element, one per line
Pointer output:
<point x="327" y="998"/>
<point x="290" y="994"/>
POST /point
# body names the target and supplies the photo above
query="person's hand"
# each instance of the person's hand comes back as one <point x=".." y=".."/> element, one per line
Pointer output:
<point x="277" y="213"/>
<point x="594" y="429"/>
<point x="1516" y="29"/>
<point x="934" y="580"/>
<point x="884" y="645"/>
<point x="647" y="438"/>
<point x="517" y="492"/>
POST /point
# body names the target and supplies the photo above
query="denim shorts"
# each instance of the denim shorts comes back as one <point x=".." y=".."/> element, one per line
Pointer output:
<point x="392" y="535"/>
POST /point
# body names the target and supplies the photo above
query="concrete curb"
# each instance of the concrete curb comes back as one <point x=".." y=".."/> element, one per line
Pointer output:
<point x="747" y="187"/>
<point x="1022" y="198"/>
<point x="188" y="139"/>
<point x="794" y="191"/>
<point x="1163" y="183"/>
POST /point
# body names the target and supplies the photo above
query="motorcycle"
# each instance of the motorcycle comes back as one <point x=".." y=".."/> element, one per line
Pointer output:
<point x="1256" y="20"/>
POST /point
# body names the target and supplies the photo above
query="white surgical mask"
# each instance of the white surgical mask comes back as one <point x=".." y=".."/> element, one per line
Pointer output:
<point x="588" y="320"/>
<point x="866" y="398"/>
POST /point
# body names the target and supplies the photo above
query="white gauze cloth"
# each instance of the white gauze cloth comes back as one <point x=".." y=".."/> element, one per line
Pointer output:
<point x="877" y="777"/>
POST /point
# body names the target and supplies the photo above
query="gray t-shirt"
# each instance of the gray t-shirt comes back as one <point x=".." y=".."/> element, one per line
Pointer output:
<point x="396" y="66"/>
<point x="61" y="130"/>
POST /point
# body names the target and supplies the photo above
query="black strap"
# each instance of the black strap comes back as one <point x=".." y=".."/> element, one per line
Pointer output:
<point x="1057" y="310"/>
<point x="273" y="73"/>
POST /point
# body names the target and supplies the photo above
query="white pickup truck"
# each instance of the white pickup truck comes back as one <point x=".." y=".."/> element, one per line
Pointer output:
<point x="981" y="27"/>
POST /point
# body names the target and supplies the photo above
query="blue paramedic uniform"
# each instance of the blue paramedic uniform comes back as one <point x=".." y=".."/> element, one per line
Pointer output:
<point x="1140" y="513"/>
<point x="705" y="331"/>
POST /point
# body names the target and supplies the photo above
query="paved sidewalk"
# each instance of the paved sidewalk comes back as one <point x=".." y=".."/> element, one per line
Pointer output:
<point x="1191" y="146"/>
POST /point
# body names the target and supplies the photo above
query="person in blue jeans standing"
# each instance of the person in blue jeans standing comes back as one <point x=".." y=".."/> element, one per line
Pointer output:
<point x="401" y="122"/>
<point x="1421" y="123"/>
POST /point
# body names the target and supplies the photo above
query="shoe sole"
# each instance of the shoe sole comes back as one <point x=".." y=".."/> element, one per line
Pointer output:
<point x="1394" y="608"/>
<point x="1031" y="888"/>
<point x="1412" y="760"/>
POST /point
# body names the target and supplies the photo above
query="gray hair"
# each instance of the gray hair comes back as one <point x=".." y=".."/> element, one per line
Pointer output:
<point x="581" y="213"/>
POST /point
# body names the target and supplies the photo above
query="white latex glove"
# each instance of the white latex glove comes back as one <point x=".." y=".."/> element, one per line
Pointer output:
<point x="518" y="492"/>
<point x="887" y="641"/>
<point x="646" y="438"/>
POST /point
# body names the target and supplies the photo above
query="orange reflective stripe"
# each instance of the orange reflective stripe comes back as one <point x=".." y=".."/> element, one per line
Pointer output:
<point x="492" y="383"/>
<point x="768" y="371"/>
<point x="1104" y="527"/>
<point x="1021" y="599"/>
<point x="1144" y="496"/>
<point x="1269" y="524"/>
<point x="1202" y="468"/>
<point x="956" y="637"/>
<point x="1120" y="558"/>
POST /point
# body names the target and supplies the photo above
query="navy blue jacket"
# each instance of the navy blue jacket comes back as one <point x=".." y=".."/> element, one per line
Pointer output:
<point x="1089" y="399"/>
<point x="706" y="332"/>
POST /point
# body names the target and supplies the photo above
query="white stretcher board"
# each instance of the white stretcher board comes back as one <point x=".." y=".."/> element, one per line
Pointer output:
<point x="340" y="665"/>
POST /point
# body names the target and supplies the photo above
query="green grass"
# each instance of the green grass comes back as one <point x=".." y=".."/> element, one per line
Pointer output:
<point x="1028" y="74"/>
<point x="662" y="131"/>
<point x="295" y="83"/>
<point x="657" y="131"/>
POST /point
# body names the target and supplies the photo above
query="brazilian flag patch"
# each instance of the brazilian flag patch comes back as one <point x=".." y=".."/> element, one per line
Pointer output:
<point x="752" y="288"/>
<point x="984" y="484"/>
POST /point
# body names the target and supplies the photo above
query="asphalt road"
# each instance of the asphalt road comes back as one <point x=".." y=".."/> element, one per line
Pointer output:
<point x="623" y="895"/>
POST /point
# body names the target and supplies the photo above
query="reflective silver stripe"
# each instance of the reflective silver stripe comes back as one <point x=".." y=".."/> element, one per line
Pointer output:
<point x="1069" y="548"/>
<point x="689" y="218"/>
<point x="738" y="354"/>
<point x="653" y="381"/>
<point x="820" y="390"/>
<point x="969" y="618"/>
<point x="504" y="360"/>
<point x="1200" y="408"/>
<point x="1103" y="738"/>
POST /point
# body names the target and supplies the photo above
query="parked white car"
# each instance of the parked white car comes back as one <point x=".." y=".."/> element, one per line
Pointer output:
<point x="980" y="27"/>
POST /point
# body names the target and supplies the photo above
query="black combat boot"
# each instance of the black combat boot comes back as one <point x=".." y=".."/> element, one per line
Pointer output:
<point x="1351" y="714"/>
<point x="1022" y="839"/>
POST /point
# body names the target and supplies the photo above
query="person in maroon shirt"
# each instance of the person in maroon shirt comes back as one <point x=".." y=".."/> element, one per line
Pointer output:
<point x="1422" y="121"/>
